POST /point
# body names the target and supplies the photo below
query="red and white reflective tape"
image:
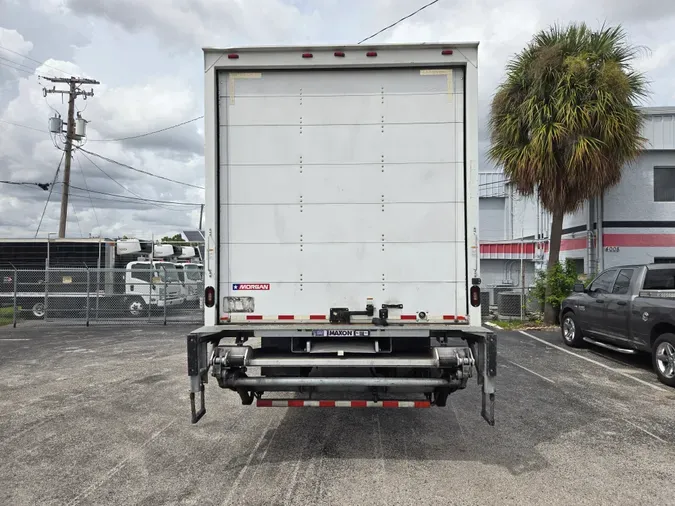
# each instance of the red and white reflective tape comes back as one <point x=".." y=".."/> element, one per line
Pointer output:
<point x="299" y="403"/>
<point x="407" y="318"/>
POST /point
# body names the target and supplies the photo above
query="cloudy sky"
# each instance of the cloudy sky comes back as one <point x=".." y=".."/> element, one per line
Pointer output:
<point x="147" y="56"/>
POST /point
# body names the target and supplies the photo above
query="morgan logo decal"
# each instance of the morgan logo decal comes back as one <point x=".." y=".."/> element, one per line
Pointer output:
<point x="251" y="286"/>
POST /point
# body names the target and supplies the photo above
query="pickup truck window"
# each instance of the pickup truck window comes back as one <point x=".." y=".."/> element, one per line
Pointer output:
<point x="603" y="282"/>
<point x="622" y="282"/>
<point x="660" y="279"/>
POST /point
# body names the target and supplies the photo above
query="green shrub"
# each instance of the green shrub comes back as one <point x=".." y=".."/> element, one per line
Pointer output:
<point x="560" y="284"/>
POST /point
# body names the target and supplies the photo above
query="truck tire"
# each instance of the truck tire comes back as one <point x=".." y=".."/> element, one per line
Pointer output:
<point x="38" y="310"/>
<point x="572" y="334"/>
<point x="137" y="307"/>
<point x="663" y="359"/>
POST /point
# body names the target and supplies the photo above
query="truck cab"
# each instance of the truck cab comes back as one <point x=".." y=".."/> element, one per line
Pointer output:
<point x="192" y="282"/>
<point x="151" y="285"/>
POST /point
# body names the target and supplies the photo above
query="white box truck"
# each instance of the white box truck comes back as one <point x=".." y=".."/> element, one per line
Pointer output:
<point x="341" y="228"/>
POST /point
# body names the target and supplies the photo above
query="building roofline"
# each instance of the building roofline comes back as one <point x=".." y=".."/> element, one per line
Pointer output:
<point x="657" y="111"/>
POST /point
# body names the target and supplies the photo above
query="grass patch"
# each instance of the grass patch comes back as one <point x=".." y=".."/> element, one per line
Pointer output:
<point x="523" y="325"/>
<point x="6" y="315"/>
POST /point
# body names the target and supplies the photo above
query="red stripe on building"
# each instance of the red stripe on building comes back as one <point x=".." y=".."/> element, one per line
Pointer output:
<point x="317" y="317"/>
<point x="254" y="317"/>
<point x="422" y="404"/>
<point x="326" y="404"/>
<point x="286" y="317"/>
<point x="264" y="403"/>
<point x="448" y="316"/>
<point x="572" y="244"/>
<point x="359" y="404"/>
<point x="639" y="240"/>
<point x="408" y="317"/>
<point x="461" y="318"/>
<point x="527" y="248"/>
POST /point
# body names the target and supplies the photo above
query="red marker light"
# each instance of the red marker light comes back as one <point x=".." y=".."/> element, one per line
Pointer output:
<point x="307" y="55"/>
<point x="209" y="296"/>
<point x="446" y="52"/>
<point x="475" y="295"/>
<point x="233" y="56"/>
<point x="339" y="54"/>
<point x="371" y="54"/>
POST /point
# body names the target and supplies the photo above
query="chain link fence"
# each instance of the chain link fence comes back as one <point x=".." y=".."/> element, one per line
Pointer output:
<point x="516" y="304"/>
<point x="160" y="292"/>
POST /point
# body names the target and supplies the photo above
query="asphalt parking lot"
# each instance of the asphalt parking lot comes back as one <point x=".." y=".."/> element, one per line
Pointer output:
<point x="100" y="415"/>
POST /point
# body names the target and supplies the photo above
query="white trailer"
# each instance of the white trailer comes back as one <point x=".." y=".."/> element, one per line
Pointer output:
<point x="341" y="227"/>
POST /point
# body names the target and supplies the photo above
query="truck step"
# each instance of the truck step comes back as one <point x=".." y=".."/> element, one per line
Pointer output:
<point x="299" y="403"/>
<point x="626" y="351"/>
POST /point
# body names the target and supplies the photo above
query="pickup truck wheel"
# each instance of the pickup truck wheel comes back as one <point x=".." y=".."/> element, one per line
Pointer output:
<point x="663" y="359"/>
<point x="571" y="332"/>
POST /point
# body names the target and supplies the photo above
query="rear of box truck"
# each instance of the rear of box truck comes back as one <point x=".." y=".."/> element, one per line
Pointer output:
<point x="341" y="227"/>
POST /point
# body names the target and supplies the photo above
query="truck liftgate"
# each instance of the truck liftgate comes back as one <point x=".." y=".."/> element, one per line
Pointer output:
<point x="430" y="361"/>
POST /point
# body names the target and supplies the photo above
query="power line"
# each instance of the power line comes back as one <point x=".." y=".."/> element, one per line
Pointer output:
<point x="86" y="185"/>
<point x="142" y="199"/>
<point x="33" y="59"/>
<point x="23" y="126"/>
<point x="77" y="219"/>
<point x="148" y="133"/>
<point x="30" y="69"/>
<point x="51" y="189"/>
<point x="15" y="68"/>
<point x="116" y="181"/>
<point x="139" y="170"/>
<point x="399" y="21"/>
<point x="44" y="186"/>
<point x="135" y="202"/>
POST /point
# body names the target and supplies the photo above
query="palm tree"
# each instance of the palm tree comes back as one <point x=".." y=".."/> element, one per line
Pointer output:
<point x="565" y="120"/>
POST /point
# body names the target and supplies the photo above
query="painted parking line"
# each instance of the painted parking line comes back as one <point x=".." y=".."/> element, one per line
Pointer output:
<point x="617" y="371"/>
<point x="14" y="340"/>
<point x="530" y="371"/>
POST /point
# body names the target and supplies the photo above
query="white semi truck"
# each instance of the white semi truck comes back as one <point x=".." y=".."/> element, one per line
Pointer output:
<point x="341" y="228"/>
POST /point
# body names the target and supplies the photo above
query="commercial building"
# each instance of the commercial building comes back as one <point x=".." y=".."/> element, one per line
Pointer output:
<point x="634" y="222"/>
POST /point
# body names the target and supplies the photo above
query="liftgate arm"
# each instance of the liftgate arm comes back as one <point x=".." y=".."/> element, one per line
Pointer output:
<point x="484" y="348"/>
<point x="198" y="368"/>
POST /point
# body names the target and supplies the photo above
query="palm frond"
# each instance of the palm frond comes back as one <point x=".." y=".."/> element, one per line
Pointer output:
<point x="565" y="119"/>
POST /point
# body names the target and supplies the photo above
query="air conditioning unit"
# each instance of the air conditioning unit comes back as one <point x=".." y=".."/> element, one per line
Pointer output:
<point x="497" y="290"/>
<point x="509" y="304"/>
<point x="484" y="304"/>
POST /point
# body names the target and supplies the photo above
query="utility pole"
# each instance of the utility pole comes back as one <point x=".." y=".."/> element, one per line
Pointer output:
<point x="201" y="215"/>
<point x="73" y="91"/>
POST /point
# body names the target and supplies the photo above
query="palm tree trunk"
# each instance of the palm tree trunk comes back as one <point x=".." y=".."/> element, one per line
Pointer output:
<point x="550" y="313"/>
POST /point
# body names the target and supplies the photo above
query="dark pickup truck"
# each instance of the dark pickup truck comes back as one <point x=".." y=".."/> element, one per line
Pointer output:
<point x="628" y="309"/>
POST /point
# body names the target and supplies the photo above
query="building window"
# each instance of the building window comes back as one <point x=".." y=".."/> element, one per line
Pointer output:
<point x="664" y="184"/>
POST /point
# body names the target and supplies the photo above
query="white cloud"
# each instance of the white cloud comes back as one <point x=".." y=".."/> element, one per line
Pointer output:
<point x="30" y="156"/>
